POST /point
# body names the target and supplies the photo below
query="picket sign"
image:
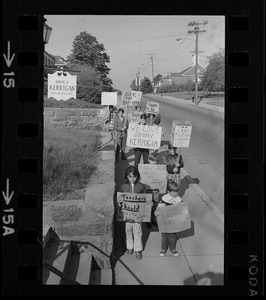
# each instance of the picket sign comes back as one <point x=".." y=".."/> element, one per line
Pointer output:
<point x="132" y="207"/>
<point x="131" y="98"/>
<point x="173" y="218"/>
<point x="135" y="116"/>
<point x="152" y="108"/>
<point x="109" y="98"/>
<point x="154" y="176"/>
<point x="144" y="136"/>
<point x="180" y="133"/>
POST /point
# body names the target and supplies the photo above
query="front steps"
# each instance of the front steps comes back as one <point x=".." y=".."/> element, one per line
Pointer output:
<point x="76" y="263"/>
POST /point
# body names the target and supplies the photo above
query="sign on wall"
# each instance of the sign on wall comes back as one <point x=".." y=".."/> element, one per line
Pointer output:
<point x="154" y="176"/>
<point x="144" y="136"/>
<point x="109" y="98"/>
<point x="62" y="86"/>
<point x="133" y="207"/>
<point x="131" y="98"/>
<point x="180" y="133"/>
<point x="152" y="108"/>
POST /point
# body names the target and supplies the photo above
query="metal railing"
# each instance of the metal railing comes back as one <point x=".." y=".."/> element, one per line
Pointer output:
<point x="60" y="274"/>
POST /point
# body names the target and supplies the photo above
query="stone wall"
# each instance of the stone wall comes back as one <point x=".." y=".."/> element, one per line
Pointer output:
<point x="92" y="119"/>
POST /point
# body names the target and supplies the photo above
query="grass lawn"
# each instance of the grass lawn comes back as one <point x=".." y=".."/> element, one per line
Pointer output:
<point x="70" y="157"/>
<point x="215" y="98"/>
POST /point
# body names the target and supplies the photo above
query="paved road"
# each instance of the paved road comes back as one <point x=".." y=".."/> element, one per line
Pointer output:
<point x="204" y="159"/>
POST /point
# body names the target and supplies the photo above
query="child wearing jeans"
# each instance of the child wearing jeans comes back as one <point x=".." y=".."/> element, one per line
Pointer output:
<point x="174" y="162"/>
<point x="169" y="239"/>
<point x="133" y="229"/>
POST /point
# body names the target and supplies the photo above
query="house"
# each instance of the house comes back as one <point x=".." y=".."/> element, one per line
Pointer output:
<point x="186" y="74"/>
<point x="49" y="60"/>
<point x="60" y="61"/>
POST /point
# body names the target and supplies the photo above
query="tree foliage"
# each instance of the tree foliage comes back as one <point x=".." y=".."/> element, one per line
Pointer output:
<point x="86" y="50"/>
<point x="146" y="86"/>
<point x="176" y="87"/>
<point x="133" y="85"/>
<point x="89" y="85"/>
<point x="213" y="78"/>
<point x="157" y="79"/>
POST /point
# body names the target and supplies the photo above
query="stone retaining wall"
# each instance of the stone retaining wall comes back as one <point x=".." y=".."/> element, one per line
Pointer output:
<point x="92" y="119"/>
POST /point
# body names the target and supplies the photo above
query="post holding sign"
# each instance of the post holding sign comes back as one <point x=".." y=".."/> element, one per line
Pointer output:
<point x="62" y="86"/>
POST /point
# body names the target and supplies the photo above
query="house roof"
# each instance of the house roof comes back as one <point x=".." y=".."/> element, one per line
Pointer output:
<point x="183" y="72"/>
<point x="59" y="60"/>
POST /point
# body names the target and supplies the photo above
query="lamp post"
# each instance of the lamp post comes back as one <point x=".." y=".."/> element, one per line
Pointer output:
<point x="47" y="30"/>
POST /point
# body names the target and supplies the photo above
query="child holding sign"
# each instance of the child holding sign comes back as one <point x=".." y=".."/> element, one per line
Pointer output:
<point x="174" y="162"/>
<point x="120" y="126"/>
<point x="169" y="239"/>
<point x="133" y="229"/>
<point x="141" y="151"/>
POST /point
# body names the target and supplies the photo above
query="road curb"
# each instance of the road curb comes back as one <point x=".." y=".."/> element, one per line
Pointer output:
<point x="219" y="215"/>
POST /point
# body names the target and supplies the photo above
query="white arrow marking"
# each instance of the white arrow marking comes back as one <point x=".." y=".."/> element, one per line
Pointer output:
<point x="6" y="195"/>
<point x="7" y="58"/>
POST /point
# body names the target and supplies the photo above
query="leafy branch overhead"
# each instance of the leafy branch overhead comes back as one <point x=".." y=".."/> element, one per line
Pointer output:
<point x="87" y="51"/>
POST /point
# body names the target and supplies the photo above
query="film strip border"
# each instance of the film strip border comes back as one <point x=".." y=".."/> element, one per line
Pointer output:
<point x="22" y="152"/>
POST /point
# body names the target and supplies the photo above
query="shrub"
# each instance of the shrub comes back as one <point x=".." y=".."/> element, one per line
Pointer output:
<point x="69" y="160"/>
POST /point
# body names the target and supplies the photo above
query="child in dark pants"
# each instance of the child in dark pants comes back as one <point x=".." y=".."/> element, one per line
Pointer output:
<point x="170" y="239"/>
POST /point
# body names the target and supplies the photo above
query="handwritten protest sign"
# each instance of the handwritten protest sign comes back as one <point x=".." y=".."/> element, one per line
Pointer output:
<point x="132" y="207"/>
<point x="135" y="116"/>
<point x="154" y="176"/>
<point x="144" y="136"/>
<point x="173" y="218"/>
<point x="131" y="98"/>
<point x="109" y="98"/>
<point x="152" y="108"/>
<point x="180" y="133"/>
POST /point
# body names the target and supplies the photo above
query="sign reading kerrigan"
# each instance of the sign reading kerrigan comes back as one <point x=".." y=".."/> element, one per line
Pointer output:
<point x="144" y="136"/>
<point x="62" y="86"/>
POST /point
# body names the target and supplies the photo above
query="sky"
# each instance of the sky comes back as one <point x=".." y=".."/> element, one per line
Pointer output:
<point x="133" y="42"/>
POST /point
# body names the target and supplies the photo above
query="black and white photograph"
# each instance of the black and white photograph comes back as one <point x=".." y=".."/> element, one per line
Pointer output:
<point x="133" y="150"/>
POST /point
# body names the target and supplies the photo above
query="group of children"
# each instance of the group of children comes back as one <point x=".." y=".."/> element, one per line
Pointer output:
<point x="134" y="229"/>
<point x="174" y="162"/>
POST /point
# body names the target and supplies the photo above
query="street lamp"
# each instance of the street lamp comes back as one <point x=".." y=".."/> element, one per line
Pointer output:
<point x="47" y="30"/>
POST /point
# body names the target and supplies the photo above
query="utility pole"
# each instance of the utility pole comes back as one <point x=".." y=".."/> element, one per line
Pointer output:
<point x="152" y="71"/>
<point x="196" y="31"/>
<point x="137" y="79"/>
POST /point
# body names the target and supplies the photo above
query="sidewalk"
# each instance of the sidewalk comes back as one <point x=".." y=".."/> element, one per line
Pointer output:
<point x="201" y="248"/>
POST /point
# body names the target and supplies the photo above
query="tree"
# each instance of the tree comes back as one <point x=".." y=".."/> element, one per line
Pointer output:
<point x="133" y="85"/>
<point x="86" y="50"/>
<point x="89" y="86"/>
<point x="157" y="79"/>
<point x="213" y="77"/>
<point x="146" y="86"/>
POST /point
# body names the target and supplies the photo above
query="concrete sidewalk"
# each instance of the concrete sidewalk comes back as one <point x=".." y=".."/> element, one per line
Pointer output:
<point x="201" y="248"/>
